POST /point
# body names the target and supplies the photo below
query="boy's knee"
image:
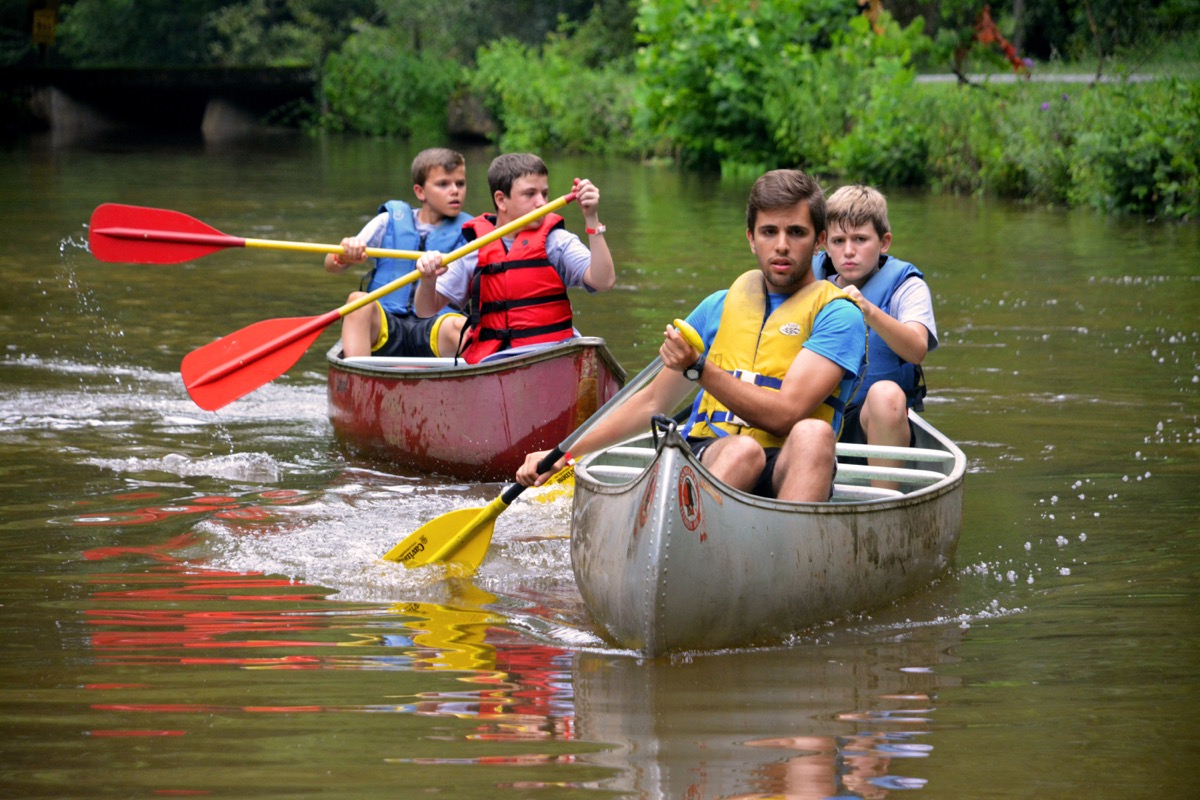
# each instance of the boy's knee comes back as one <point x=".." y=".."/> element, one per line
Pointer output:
<point x="886" y="402"/>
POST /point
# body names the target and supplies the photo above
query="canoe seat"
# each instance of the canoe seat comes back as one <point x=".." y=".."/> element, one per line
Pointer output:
<point x="622" y="474"/>
<point x="900" y="453"/>
<point x="844" y="492"/>
<point x="641" y="454"/>
<point x="918" y="477"/>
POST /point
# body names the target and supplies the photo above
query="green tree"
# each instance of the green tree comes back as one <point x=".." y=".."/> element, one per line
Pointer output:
<point x="282" y="32"/>
<point x="702" y="67"/>
<point x="106" y="33"/>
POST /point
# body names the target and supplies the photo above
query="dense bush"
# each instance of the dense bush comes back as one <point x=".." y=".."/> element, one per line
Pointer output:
<point x="550" y="99"/>
<point x="1138" y="150"/>
<point x="701" y="71"/>
<point x="849" y="107"/>
<point x="377" y="86"/>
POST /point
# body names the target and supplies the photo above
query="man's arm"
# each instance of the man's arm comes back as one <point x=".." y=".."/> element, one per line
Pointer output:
<point x="660" y="396"/>
<point x="809" y="380"/>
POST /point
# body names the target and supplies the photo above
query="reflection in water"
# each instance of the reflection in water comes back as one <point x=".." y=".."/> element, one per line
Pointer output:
<point x="804" y="723"/>
<point x="808" y="722"/>
<point x="175" y="614"/>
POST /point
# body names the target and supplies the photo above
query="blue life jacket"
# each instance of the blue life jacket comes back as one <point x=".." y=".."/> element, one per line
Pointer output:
<point x="883" y="364"/>
<point x="401" y="234"/>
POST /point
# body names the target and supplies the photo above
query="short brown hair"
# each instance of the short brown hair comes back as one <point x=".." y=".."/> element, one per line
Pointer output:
<point x="507" y="168"/>
<point x="442" y="157"/>
<point x="784" y="188"/>
<point x="856" y="205"/>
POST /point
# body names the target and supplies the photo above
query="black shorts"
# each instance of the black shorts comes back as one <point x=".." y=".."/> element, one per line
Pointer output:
<point x="408" y="335"/>
<point x="762" y="487"/>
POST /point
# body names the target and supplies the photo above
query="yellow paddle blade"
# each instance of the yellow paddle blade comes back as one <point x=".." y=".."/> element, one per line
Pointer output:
<point x="461" y="536"/>
<point x="560" y="485"/>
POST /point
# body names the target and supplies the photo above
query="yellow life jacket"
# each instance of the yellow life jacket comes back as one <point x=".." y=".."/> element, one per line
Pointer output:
<point x="759" y="349"/>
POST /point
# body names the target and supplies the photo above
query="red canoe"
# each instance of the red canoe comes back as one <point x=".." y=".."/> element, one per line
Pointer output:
<point x="474" y="422"/>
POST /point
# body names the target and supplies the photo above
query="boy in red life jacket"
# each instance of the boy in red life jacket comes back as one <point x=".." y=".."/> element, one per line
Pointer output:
<point x="390" y="326"/>
<point x="515" y="289"/>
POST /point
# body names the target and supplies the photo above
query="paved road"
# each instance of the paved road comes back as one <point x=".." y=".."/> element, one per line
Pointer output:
<point x="1008" y="77"/>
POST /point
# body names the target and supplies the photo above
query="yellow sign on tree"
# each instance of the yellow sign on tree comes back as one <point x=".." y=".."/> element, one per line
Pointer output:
<point x="44" y="20"/>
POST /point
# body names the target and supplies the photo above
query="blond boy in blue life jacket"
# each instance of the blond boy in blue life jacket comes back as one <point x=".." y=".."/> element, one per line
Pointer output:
<point x="898" y="308"/>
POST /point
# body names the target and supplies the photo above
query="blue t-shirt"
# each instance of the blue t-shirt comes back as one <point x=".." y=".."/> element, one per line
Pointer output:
<point x="839" y="333"/>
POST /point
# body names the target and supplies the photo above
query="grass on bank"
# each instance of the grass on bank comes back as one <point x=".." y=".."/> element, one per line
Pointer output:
<point x="852" y="112"/>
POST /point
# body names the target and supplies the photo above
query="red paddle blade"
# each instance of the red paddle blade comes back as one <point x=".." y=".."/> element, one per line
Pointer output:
<point x="141" y="235"/>
<point x="235" y="365"/>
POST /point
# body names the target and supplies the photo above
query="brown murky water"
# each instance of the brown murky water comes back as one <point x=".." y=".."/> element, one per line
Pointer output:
<point x="193" y="606"/>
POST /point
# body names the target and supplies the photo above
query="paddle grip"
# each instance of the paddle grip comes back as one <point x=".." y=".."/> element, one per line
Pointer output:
<point x="545" y="465"/>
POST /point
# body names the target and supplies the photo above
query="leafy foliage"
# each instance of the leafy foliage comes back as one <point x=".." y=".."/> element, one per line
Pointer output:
<point x="375" y="85"/>
<point x="1139" y="151"/>
<point x="702" y="67"/>
<point x="550" y="100"/>
<point x="848" y="107"/>
<point x="735" y="84"/>
<point x="103" y="33"/>
<point x="152" y="33"/>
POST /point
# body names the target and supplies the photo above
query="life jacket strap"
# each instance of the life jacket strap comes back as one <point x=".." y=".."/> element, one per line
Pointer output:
<point x="506" y="335"/>
<point x="494" y="306"/>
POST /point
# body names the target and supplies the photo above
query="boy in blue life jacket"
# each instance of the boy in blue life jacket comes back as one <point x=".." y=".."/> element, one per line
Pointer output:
<point x="390" y="326"/>
<point x="899" y="311"/>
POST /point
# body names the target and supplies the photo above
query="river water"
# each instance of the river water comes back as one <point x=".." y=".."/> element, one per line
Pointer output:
<point x="193" y="603"/>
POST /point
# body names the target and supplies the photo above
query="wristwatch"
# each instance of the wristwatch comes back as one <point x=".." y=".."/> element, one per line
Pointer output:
<point x="692" y="373"/>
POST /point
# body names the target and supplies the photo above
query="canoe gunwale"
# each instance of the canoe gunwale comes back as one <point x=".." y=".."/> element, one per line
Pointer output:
<point x="465" y="370"/>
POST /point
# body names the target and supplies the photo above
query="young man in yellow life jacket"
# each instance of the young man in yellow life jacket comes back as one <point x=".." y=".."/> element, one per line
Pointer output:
<point x="390" y="326"/>
<point x="515" y="289"/>
<point x="784" y="352"/>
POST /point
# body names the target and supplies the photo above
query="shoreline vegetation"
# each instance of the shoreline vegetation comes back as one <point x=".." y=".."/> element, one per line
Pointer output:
<point x="859" y="110"/>
<point x="1104" y="115"/>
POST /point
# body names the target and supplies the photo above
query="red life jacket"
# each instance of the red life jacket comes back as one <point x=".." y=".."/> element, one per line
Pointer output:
<point x="517" y="297"/>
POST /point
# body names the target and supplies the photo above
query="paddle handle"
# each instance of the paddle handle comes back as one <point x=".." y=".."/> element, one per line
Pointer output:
<point x="513" y="490"/>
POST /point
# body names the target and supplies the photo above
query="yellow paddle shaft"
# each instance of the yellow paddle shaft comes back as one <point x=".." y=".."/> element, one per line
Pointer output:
<point x="314" y="247"/>
<point x="468" y="248"/>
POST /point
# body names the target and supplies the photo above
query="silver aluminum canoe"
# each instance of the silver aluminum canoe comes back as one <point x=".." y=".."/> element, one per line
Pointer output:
<point x="668" y="559"/>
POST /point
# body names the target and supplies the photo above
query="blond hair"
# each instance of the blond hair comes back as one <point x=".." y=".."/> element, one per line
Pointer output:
<point x="857" y="205"/>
